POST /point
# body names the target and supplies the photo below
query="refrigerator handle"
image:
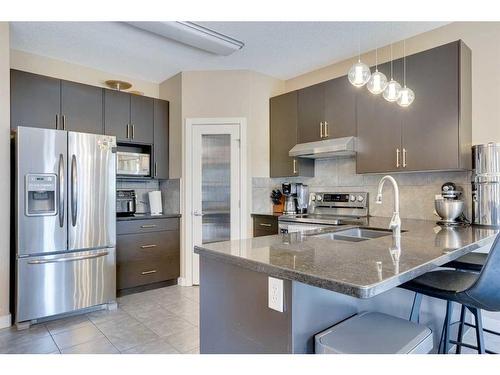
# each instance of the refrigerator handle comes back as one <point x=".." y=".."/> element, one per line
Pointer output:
<point x="74" y="190"/>
<point x="61" y="190"/>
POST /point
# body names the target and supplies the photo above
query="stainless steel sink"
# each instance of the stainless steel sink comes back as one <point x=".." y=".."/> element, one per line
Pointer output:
<point x="355" y="234"/>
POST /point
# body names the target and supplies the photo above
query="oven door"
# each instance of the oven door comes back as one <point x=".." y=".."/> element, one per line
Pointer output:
<point x="132" y="164"/>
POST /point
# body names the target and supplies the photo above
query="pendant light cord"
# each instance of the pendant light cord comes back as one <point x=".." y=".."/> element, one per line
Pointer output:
<point x="391" y="63"/>
<point x="404" y="62"/>
<point x="376" y="59"/>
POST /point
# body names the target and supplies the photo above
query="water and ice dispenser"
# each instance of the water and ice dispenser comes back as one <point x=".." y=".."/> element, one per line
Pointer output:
<point x="41" y="194"/>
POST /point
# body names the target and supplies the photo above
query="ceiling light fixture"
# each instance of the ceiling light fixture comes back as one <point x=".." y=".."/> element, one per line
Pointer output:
<point x="193" y="35"/>
<point x="407" y="96"/>
<point x="393" y="89"/>
<point x="378" y="81"/>
<point x="359" y="74"/>
<point x="118" y="85"/>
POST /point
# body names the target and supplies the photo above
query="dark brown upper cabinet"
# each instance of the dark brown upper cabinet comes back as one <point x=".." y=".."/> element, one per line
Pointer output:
<point x="435" y="131"/>
<point x="161" y="139"/>
<point x="81" y="108"/>
<point x="35" y="100"/>
<point x="128" y="117"/>
<point x="327" y="110"/>
<point x="46" y="102"/>
<point x="283" y="136"/>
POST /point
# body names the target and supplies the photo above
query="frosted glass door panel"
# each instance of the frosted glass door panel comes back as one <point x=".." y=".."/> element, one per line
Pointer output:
<point x="216" y="187"/>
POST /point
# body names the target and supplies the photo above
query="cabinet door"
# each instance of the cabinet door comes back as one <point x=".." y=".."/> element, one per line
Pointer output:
<point x="35" y="100"/>
<point x="283" y="136"/>
<point x="379" y="130"/>
<point x="340" y="108"/>
<point x="81" y="108"/>
<point x="161" y="139"/>
<point x="310" y="113"/>
<point x="430" y="124"/>
<point x="117" y="114"/>
<point x="141" y="118"/>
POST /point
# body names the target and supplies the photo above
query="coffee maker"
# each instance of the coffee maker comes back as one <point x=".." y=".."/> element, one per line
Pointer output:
<point x="302" y="198"/>
<point x="296" y="198"/>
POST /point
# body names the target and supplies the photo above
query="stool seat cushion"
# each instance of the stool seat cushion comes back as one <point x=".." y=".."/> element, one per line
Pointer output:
<point x="470" y="262"/>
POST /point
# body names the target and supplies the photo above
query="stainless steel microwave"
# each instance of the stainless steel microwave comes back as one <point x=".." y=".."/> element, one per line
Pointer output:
<point x="132" y="164"/>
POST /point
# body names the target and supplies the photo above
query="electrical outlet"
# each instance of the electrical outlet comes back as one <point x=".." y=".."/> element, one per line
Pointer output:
<point x="275" y="294"/>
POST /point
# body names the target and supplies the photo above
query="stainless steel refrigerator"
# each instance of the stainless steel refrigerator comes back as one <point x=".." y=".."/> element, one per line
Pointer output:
<point x="65" y="221"/>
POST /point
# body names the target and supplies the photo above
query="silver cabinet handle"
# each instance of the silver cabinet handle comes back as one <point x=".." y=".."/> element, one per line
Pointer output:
<point x="63" y="118"/>
<point x="74" y="190"/>
<point x="148" y="246"/>
<point x="294" y="166"/>
<point x="404" y="157"/>
<point x="148" y="272"/>
<point x="61" y="190"/>
<point x="57" y="122"/>
<point x="148" y="226"/>
<point x="128" y="131"/>
<point x="326" y="129"/>
<point x="133" y="131"/>
<point x="68" y="259"/>
<point x="397" y="157"/>
<point x="321" y="132"/>
<point x="265" y="225"/>
<point x="156" y="169"/>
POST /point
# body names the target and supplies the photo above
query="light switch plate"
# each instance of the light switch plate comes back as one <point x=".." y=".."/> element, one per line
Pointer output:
<point x="275" y="294"/>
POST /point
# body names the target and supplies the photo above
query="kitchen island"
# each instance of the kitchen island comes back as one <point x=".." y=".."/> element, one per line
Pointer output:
<point x="326" y="278"/>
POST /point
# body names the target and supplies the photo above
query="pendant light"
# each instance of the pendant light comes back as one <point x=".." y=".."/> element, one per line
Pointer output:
<point x="407" y="96"/>
<point x="393" y="89"/>
<point x="359" y="74"/>
<point x="378" y="81"/>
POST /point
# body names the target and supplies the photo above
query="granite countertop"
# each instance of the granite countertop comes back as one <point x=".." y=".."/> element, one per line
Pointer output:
<point x="360" y="269"/>
<point x="146" y="217"/>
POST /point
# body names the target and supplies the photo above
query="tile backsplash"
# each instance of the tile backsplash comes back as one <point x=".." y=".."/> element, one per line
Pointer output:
<point x="170" y="190"/>
<point x="417" y="189"/>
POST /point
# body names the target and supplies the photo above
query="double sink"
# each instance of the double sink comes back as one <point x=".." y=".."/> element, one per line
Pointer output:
<point x="354" y="234"/>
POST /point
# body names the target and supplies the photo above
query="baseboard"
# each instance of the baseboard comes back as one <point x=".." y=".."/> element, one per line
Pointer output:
<point x="183" y="282"/>
<point x="5" y="321"/>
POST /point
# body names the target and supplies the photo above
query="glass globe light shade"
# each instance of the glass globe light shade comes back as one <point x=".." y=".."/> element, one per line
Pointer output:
<point x="377" y="83"/>
<point x="359" y="74"/>
<point x="392" y="91"/>
<point x="406" y="97"/>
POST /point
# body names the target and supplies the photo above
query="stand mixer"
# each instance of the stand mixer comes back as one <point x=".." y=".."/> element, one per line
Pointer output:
<point x="449" y="206"/>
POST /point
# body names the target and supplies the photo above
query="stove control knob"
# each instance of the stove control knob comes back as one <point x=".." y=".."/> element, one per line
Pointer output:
<point x="319" y="197"/>
<point x="352" y="198"/>
<point x="360" y="198"/>
<point x="313" y="197"/>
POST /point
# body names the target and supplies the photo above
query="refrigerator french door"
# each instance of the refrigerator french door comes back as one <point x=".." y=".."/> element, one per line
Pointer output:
<point x="65" y="221"/>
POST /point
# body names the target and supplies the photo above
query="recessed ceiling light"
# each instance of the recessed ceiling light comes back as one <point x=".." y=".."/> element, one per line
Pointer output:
<point x="192" y="35"/>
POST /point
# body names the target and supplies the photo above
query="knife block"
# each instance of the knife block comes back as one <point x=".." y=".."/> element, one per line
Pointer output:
<point x="278" y="208"/>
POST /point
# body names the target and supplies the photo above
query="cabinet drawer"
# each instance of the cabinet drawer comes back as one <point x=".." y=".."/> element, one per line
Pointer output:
<point x="147" y="258"/>
<point x="147" y="225"/>
<point x="265" y="225"/>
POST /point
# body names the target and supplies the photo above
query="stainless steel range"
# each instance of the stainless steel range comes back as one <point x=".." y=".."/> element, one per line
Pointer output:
<point x="328" y="209"/>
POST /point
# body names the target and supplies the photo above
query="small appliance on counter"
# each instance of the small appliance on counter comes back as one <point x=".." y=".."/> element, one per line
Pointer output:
<point x="155" y="206"/>
<point x="290" y="192"/>
<point x="486" y="184"/>
<point x="449" y="206"/>
<point x="278" y="201"/>
<point x="302" y="198"/>
<point x="126" y="204"/>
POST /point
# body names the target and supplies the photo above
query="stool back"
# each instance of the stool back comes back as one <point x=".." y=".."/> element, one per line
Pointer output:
<point x="486" y="289"/>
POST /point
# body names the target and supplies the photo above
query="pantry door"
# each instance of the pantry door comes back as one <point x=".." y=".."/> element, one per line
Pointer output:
<point x="216" y="190"/>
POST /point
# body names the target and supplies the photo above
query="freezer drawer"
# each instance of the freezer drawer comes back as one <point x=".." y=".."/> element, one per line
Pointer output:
<point x="56" y="284"/>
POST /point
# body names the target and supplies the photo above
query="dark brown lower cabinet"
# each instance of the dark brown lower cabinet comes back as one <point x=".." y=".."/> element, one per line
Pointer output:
<point x="265" y="225"/>
<point x="147" y="257"/>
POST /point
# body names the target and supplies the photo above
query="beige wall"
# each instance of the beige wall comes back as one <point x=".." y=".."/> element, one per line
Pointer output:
<point x="5" y="168"/>
<point x="484" y="40"/>
<point x="72" y="72"/>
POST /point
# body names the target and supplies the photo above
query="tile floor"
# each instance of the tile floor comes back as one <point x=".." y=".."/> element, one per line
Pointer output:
<point x="158" y="321"/>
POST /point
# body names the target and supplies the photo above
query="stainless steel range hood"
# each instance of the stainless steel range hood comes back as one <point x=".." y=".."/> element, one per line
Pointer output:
<point x="329" y="148"/>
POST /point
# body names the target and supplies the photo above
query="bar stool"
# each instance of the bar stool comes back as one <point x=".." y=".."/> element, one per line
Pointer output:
<point x="474" y="291"/>
<point x="469" y="262"/>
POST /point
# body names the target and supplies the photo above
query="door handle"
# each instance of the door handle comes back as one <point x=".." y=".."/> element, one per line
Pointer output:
<point x="294" y="166"/>
<point x="68" y="259"/>
<point x="397" y="158"/>
<point x="196" y="213"/>
<point x="148" y="246"/>
<point x="61" y="190"/>
<point x="326" y="129"/>
<point x="404" y="157"/>
<point x="321" y="132"/>
<point x="74" y="190"/>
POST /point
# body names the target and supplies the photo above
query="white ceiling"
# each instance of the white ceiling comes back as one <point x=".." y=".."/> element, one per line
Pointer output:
<point x="280" y="49"/>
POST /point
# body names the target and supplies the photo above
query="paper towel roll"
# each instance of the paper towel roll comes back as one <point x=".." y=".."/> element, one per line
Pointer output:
<point x="155" y="202"/>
